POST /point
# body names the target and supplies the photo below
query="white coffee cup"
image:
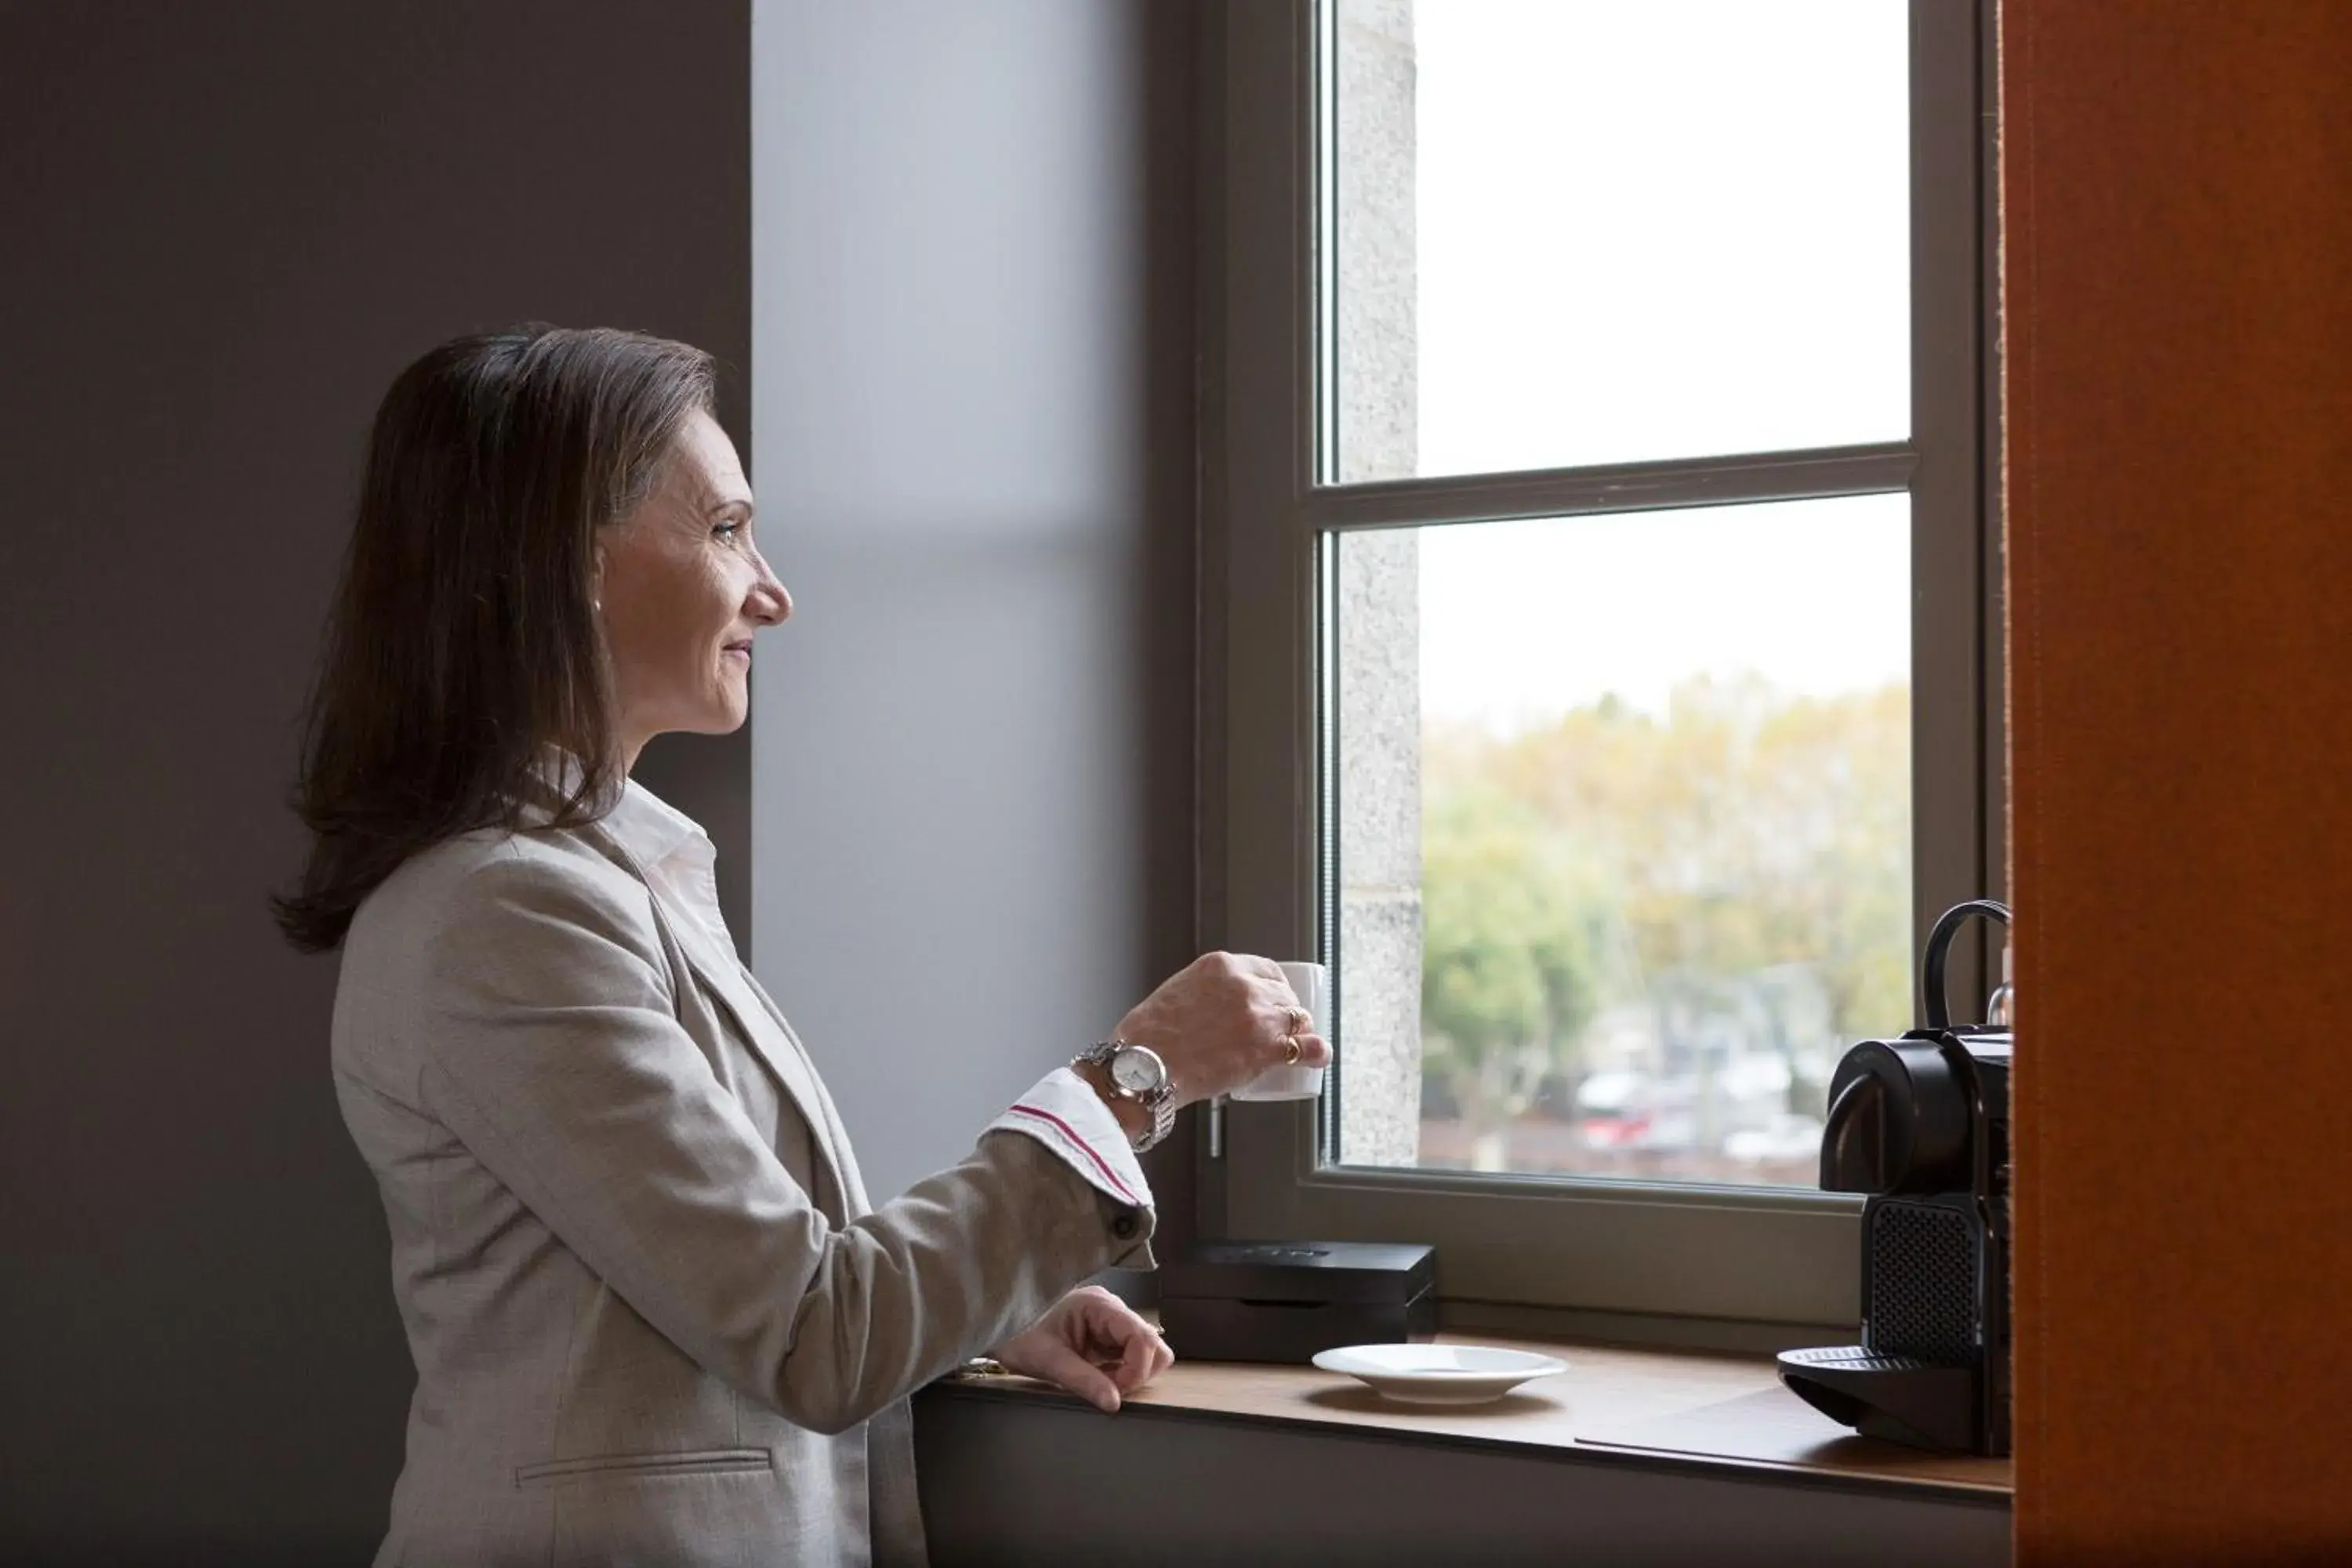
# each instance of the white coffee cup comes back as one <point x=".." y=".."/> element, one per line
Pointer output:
<point x="1312" y="983"/>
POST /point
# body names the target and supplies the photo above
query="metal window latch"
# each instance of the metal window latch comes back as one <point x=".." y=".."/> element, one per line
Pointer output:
<point x="2002" y="1003"/>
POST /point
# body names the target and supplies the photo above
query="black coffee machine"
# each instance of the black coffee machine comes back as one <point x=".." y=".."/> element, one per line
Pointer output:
<point x="1921" y="1124"/>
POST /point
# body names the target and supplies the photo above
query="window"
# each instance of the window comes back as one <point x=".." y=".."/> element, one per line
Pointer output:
<point x="1597" y="487"/>
<point x="1661" y="864"/>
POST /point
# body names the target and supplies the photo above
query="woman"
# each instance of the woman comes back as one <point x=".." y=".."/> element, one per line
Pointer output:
<point x="654" y="1316"/>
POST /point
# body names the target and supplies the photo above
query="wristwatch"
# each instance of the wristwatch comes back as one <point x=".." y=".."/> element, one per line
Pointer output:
<point x="1136" y="1073"/>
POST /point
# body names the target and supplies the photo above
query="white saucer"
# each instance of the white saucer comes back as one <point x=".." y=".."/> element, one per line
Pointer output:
<point x="1439" y="1374"/>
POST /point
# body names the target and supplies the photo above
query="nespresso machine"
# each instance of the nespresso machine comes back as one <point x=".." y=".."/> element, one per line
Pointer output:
<point x="1921" y="1124"/>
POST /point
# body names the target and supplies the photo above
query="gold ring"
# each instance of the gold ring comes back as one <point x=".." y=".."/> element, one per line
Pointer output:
<point x="1299" y="1018"/>
<point x="1290" y="1050"/>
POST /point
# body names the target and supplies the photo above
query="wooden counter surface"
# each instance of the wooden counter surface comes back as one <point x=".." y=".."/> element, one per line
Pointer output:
<point x="1615" y="1400"/>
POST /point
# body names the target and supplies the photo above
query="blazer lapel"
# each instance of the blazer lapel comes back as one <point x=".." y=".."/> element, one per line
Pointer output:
<point x="731" y="986"/>
<point x="845" y="1160"/>
<point x="726" y="987"/>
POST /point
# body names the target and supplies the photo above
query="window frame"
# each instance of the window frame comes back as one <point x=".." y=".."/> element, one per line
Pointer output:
<point x="1747" y="1268"/>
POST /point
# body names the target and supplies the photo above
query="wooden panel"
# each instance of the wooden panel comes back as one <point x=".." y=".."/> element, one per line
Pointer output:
<point x="1697" y="1406"/>
<point x="1773" y="1426"/>
<point x="2178" y="213"/>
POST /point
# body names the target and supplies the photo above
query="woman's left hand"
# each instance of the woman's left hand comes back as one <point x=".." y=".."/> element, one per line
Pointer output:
<point x="1093" y="1344"/>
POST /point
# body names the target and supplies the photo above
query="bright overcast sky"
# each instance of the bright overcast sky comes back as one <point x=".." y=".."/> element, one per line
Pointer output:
<point x="1659" y="229"/>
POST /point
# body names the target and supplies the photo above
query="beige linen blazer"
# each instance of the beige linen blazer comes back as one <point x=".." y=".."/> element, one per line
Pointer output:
<point x="641" y="1337"/>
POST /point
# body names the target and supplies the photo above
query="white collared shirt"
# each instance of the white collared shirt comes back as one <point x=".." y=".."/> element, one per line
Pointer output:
<point x="1060" y="1110"/>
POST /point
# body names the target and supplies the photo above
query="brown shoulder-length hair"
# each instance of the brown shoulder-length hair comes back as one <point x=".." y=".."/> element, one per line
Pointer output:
<point x="464" y="638"/>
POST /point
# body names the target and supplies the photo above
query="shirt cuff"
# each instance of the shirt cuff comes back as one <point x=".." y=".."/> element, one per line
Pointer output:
<point x="1064" y="1113"/>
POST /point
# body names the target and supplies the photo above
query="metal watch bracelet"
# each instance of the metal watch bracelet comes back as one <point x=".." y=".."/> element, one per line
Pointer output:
<point x="1158" y="1103"/>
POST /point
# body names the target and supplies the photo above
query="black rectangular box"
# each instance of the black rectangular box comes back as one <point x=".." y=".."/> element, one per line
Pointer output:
<point x="1285" y="1300"/>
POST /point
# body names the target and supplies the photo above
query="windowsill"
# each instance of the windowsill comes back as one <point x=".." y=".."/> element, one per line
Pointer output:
<point x="1614" y="1405"/>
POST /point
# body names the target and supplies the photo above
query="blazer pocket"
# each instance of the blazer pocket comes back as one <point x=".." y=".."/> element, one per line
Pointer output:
<point x="639" y="1466"/>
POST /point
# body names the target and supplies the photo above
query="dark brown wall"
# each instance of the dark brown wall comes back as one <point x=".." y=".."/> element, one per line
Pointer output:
<point x="2178" y="307"/>
<point x="223" y="228"/>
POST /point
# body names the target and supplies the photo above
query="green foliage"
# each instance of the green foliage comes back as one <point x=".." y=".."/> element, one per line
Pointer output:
<point x="1509" y="974"/>
<point x="1615" y="856"/>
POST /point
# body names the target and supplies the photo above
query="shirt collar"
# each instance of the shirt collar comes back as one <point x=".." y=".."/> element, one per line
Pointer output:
<point x="654" y="830"/>
<point x="648" y="827"/>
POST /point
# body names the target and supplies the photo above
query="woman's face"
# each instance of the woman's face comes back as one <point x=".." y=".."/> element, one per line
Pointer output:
<point x="683" y="590"/>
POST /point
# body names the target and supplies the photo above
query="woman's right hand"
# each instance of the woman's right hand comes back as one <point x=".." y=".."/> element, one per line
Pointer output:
<point x="1220" y="1022"/>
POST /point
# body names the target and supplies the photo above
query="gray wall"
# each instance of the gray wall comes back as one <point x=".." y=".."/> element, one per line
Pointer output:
<point x="1001" y="1471"/>
<point x="972" y="448"/>
<point x="223" y="228"/>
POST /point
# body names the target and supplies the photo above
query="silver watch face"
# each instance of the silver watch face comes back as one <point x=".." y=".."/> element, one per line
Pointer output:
<point x="1137" y="1069"/>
